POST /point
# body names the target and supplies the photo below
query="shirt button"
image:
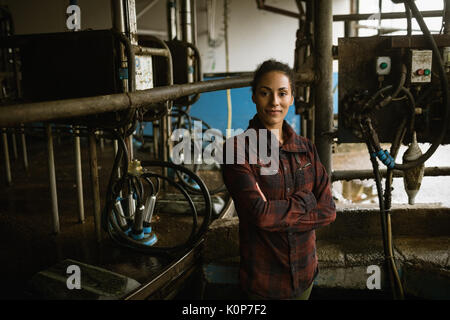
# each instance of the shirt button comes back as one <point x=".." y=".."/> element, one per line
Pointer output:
<point x="288" y="189"/>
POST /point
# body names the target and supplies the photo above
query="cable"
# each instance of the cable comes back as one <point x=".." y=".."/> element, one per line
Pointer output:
<point x="408" y="19"/>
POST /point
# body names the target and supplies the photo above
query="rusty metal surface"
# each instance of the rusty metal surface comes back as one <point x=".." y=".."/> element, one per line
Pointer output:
<point x="171" y="273"/>
<point x="338" y="175"/>
<point x="69" y="108"/>
<point x="441" y="40"/>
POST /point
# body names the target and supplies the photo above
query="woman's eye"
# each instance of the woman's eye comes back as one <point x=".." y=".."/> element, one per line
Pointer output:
<point x="283" y="94"/>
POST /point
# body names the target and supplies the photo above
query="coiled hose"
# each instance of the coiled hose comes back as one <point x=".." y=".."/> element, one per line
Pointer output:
<point x="110" y="222"/>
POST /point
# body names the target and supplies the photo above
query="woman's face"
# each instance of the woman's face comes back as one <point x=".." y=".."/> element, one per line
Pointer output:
<point x="273" y="97"/>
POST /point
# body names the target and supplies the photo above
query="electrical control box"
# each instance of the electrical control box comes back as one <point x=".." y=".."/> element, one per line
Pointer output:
<point x="383" y="65"/>
<point x="371" y="70"/>
<point x="421" y="62"/>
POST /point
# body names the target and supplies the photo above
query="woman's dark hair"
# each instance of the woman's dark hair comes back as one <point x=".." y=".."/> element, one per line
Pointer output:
<point x="272" y="65"/>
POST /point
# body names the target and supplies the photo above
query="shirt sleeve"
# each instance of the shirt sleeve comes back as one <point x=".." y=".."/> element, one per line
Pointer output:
<point x="298" y="213"/>
<point x="325" y="210"/>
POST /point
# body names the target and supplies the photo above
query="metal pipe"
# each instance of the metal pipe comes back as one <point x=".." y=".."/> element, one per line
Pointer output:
<point x="385" y="15"/>
<point x="347" y="175"/>
<point x="52" y="178"/>
<point x="95" y="184"/>
<point x="323" y="86"/>
<point x="186" y="21"/>
<point x="194" y="22"/>
<point x="79" y="175"/>
<point x="446" y="17"/>
<point x="116" y="149"/>
<point x="51" y="110"/>
<point x="117" y="13"/>
<point x="7" y="162"/>
<point x="14" y="145"/>
<point x="138" y="50"/>
<point x="24" y="148"/>
<point x="172" y="19"/>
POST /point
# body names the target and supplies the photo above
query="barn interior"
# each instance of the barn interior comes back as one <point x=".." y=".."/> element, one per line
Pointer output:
<point x="108" y="109"/>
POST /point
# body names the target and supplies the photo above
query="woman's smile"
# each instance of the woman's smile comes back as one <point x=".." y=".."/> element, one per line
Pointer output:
<point x="273" y="97"/>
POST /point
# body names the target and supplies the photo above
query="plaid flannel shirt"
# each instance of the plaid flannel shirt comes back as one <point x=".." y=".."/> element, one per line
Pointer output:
<point x="277" y="237"/>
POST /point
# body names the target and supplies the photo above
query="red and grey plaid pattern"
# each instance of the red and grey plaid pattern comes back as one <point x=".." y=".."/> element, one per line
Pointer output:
<point x="277" y="237"/>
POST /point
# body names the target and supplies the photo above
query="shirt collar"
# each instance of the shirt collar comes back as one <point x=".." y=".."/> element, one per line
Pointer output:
<point x="292" y="141"/>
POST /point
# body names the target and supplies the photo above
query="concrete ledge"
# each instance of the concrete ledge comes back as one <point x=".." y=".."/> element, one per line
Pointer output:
<point x="364" y="221"/>
<point x="423" y="261"/>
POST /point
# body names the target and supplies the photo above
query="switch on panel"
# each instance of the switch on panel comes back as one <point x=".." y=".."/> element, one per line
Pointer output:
<point x="383" y="66"/>
<point x="421" y="61"/>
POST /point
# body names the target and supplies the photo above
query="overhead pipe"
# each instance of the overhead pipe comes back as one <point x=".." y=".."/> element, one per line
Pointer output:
<point x="12" y="115"/>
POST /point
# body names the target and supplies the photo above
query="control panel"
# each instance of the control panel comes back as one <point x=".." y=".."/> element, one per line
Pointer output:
<point x="383" y="66"/>
<point x="421" y="61"/>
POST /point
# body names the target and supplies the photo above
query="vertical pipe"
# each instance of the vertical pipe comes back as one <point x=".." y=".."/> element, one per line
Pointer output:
<point x="79" y="175"/>
<point x="116" y="149"/>
<point x="52" y="178"/>
<point x="14" y="145"/>
<point x="95" y="184"/>
<point x="227" y="66"/>
<point x="323" y="88"/>
<point x="117" y="13"/>
<point x="447" y="17"/>
<point x="24" y="148"/>
<point x="7" y="163"/>
<point x="194" y="21"/>
<point x="171" y="19"/>
<point x="186" y="21"/>
<point x="155" y="125"/>
<point x="310" y="91"/>
<point x="303" y="126"/>
<point x="102" y="141"/>
<point x="186" y="34"/>
<point x="164" y="148"/>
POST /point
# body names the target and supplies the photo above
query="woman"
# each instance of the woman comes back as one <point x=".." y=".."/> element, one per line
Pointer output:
<point x="277" y="212"/>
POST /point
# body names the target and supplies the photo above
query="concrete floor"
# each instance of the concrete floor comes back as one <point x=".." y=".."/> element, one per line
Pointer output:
<point x="28" y="245"/>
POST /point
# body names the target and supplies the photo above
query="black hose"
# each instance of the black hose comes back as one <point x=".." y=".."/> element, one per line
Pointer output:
<point x="385" y="230"/>
<point x="408" y="19"/>
<point x="110" y="223"/>
<point x="387" y="207"/>
<point x="197" y="179"/>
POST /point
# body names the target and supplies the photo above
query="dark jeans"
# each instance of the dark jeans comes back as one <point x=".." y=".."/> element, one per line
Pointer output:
<point x="304" y="296"/>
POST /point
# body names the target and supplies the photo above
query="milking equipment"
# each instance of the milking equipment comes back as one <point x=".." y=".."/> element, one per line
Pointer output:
<point x="395" y="89"/>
